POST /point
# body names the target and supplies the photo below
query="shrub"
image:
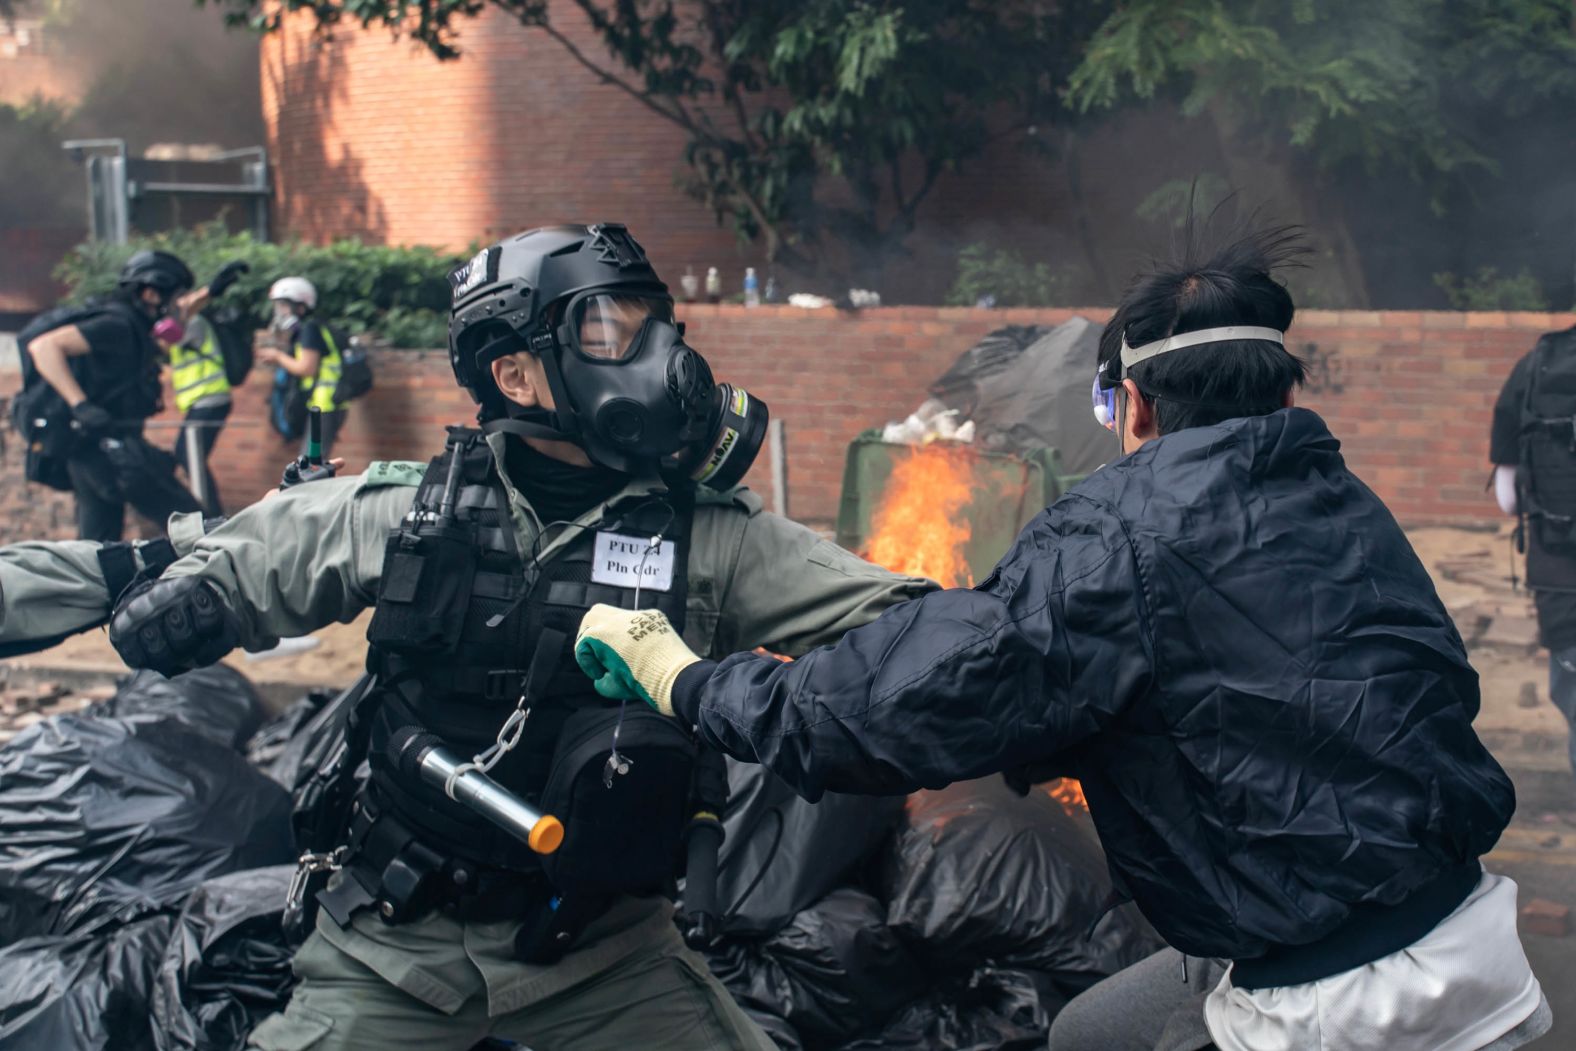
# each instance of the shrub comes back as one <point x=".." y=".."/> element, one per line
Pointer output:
<point x="1487" y="290"/>
<point x="399" y="296"/>
<point x="1004" y="279"/>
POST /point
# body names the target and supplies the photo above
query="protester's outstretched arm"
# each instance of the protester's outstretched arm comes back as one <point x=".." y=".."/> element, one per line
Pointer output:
<point x="950" y="686"/>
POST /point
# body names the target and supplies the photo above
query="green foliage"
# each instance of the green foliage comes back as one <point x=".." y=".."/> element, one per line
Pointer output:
<point x="398" y="295"/>
<point x="1005" y="277"/>
<point x="1173" y="201"/>
<point x="1487" y="290"/>
<point x="1393" y="84"/>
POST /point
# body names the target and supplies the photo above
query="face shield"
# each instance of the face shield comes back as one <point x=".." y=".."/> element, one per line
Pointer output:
<point x="1104" y="405"/>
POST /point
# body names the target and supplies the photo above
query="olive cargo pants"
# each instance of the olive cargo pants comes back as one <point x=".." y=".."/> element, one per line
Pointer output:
<point x="437" y="983"/>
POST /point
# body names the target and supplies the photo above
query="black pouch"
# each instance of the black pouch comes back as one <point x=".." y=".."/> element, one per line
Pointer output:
<point x="43" y="420"/>
<point x="623" y="832"/>
<point x="425" y="590"/>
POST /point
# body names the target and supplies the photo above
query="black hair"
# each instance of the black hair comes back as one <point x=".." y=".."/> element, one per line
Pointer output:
<point x="1209" y="288"/>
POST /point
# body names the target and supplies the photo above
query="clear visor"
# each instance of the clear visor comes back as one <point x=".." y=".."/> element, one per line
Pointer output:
<point x="1104" y="405"/>
<point x="603" y="327"/>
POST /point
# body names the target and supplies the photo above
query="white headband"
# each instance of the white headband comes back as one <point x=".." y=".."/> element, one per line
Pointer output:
<point x="1133" y="355"/>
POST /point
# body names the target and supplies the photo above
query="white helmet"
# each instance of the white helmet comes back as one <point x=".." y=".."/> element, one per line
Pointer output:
<point x="295" y="290"/>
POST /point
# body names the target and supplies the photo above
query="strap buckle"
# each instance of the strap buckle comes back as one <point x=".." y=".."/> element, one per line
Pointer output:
<point x="307" y="866"/>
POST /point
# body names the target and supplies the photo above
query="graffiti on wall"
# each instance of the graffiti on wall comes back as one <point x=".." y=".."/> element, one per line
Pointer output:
<point x="1326" y="374"/>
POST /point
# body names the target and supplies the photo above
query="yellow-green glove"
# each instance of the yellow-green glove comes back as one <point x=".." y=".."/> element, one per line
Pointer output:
<point x="632" y="655"/>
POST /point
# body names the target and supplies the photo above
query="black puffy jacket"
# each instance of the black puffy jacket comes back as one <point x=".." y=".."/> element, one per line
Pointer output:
<point x="1227" y="637"/>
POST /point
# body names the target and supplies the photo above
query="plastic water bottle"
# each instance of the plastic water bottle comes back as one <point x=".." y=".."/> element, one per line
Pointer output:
<point x="713" y="285"/>
<point x="752" y="288"/>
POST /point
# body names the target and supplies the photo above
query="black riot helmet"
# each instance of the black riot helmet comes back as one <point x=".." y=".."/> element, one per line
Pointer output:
<point x="162" y="271"/>
<point x="626" y="388"/>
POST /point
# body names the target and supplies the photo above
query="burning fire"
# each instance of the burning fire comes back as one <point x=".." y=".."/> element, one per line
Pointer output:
<point x="1068" y="793"/>
<point x="918" y="529"/>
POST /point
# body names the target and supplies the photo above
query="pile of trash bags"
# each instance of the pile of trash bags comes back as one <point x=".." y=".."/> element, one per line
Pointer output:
<point x="960" y="918"/>
<point x="143" y="868"/>
<point x="146" y="850"/>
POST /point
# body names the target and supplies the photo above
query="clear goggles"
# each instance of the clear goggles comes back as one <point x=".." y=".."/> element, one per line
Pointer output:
<point x="1104" y="405"/>
<point x="602" y="326"/>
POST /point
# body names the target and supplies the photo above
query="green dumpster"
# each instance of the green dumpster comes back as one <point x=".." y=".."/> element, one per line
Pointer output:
<point x="1007" y="491"/>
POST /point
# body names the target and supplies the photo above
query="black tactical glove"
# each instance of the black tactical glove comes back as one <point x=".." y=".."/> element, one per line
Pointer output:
<point x="228" y="276"/>
<point x="92" y="420"/>
<point x="172" y="626"/>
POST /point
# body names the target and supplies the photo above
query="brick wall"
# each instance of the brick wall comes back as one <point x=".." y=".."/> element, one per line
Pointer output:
<point x="1409" y="395"/>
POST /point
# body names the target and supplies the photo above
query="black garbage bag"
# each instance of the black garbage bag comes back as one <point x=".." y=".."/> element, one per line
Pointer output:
<point x="980" y="875"/>
<point x="278" y="748"/>
<point x="781" y="854"/>
<point x="84" y="992"/>
<point x="1026" y="387"/>
<point x="987" y="1010"/>
<point x="102" y="820"/>
<point x="217" y="702"/>
<point x="832" y="973"/>
<point x="227" y="965"/>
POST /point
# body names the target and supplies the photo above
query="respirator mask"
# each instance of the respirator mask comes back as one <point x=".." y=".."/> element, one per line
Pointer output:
<point x="285" y="320"/>
<point x="169" y="330"/>
<point x="634" y="395"/>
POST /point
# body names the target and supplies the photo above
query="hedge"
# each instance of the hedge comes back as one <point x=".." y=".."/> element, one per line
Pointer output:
<point x="400" y="296"/>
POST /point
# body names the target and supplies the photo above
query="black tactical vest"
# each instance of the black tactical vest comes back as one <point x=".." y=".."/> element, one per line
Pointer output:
<point x="466" y="624"/>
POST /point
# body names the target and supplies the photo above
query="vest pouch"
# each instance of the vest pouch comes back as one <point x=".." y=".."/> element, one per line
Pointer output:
<point x="623" y="836"/>
<point x="425" y="590"/>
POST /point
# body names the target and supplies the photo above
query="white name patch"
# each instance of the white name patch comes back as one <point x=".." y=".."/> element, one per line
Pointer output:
<point x="627" y="562"/>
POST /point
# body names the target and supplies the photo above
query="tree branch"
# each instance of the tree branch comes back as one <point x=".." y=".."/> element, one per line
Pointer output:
<point x="678" y="116"/>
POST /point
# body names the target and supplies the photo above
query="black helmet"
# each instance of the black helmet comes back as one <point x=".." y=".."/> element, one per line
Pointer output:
<point x="511" y="287"/>
<point x="625" y="387"/>
<point x="159" y="270"/>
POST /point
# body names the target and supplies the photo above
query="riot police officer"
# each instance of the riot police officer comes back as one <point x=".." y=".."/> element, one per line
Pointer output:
<point x="605" y="469"/>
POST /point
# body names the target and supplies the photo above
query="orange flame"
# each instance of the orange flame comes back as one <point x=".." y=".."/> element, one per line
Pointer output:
<point x="1068" y="793"/>
<point x="918" y="529"/>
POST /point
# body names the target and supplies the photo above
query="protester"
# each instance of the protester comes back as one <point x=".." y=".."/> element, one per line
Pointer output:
<point x="308" y="358"/>
<point x="1532" y="448"/>
<point x="1227" y="638"/>
<point x="202" y="394"/>
<point x="440" y="929"/>
<point x="102" y="362"/>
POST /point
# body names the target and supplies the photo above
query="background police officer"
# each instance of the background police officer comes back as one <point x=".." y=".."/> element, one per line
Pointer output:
<point x="582" y="486"/>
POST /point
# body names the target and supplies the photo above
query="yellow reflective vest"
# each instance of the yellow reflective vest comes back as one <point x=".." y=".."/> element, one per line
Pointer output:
<point x="322" y="386"/>
<point x="197" y="366"/>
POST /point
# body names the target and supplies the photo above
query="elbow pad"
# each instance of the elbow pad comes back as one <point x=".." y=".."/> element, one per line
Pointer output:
<point x="172" y="626"/>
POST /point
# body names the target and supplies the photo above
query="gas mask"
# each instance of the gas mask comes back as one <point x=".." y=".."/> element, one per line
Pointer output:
<point x="634" y="395"/>
<point x="169" y="331"/>
<point x="285" y="319"/>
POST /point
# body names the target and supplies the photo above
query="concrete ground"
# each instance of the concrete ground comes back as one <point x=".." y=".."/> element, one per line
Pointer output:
<point x="1472" y="572"/>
